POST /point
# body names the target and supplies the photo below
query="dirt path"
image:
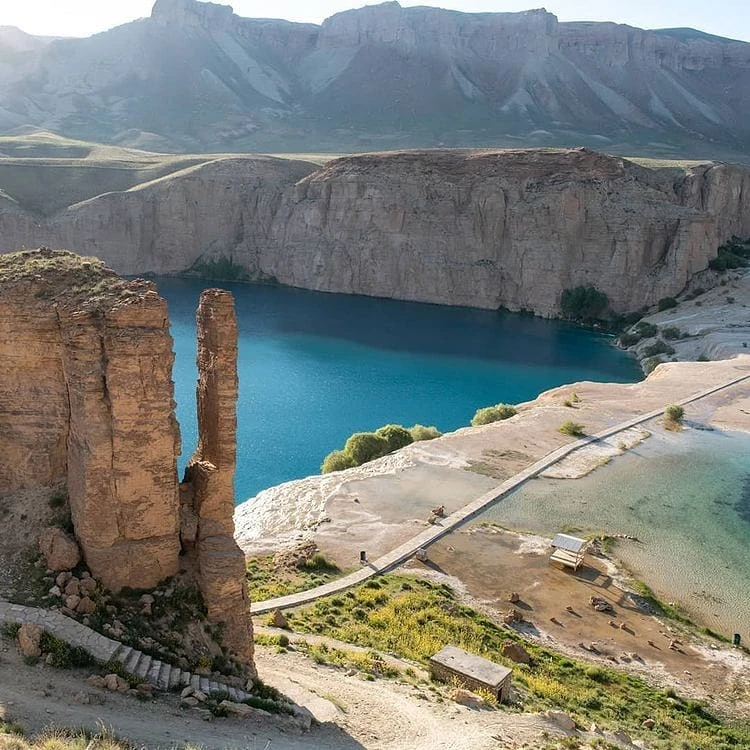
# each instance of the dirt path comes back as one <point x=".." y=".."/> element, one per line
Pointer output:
<point x="352" y="712"/>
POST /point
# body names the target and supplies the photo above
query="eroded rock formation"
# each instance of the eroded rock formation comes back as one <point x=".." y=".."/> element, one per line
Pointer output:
<point x="86" y="399"/>
<point x="208" y="491"/>
<point x="86" y="393"/>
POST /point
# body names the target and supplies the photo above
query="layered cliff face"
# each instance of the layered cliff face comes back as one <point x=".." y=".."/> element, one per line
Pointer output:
<point x="194" y="76"/>
<point x="510" y="228"/>
<point x="208" y="490"/>
<point x="222" y="208"/>
<point x="86" y="400"/>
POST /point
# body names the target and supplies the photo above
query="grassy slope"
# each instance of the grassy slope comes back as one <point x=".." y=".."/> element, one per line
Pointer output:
<point x="414" y="618"/>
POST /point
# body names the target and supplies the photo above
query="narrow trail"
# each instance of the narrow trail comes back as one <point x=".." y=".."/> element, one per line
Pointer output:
<point x="444" y="526"/>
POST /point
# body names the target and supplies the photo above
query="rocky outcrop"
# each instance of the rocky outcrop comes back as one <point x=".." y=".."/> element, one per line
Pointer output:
<point x="199" y="78"/>
<point x="208" y="490"/>
<point x="87" y="401"/>
<point x="87" y="397"/>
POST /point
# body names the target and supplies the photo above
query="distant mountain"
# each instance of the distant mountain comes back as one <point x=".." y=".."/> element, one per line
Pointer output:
<point x="196" y="77"/>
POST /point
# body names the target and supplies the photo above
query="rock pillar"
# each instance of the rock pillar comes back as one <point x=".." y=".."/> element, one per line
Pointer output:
<point x="208" y="492"/>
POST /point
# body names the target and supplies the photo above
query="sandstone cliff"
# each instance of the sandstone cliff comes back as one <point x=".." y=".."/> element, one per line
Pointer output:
<point x="86" y="401"/>
<point x="194" y="76"/>
<point x="488" y="228"/>
<point x="87" y="396"/>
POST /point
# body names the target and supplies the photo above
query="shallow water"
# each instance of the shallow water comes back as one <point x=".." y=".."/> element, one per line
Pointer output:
<point x="314" y="368"/>
<point x="685" y="496"/>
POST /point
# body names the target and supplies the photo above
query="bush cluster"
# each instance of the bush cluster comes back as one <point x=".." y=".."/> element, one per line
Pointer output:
<point x="733" y="254"/>
<point x="583" y="303"/>
<point x="362" y="447"/>
<point x="667" y="303"/>
<point x="658" y="347"/>
<point x="494" y="413"/>
<point x="574" y="429"/>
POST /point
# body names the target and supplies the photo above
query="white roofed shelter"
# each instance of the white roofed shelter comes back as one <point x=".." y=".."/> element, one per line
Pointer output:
<point x="568" y="550"/>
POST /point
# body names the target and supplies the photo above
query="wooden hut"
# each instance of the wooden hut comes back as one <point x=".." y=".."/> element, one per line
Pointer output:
<point x="568" y="550"/>
<point x="471" y="671"/>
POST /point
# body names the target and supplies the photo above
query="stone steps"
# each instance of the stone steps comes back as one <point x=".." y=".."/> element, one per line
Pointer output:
<point x="158" y="673"/>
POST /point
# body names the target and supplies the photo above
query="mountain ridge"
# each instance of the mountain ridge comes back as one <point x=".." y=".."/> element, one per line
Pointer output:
<point x="196" y="77"/>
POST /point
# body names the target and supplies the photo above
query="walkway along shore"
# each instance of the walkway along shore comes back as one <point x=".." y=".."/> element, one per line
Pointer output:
<point x="444" y="526"/>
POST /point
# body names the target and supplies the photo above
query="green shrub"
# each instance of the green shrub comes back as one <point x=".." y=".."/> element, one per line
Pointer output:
<point x="672" y="333"/>
<point x="730" y="255"/>
<point x="494" y="413"/>
<point x="666" y="303"/>
<point x="362" y="447"/>
<point x="62" y="654"/>
<point x="583" y="303"/>
<point x="337" y="461"/>
<point x="319" y="563"/>
<point x="365" y="446"/>
<point x="651" y="364"/>
<point x="420" y="432"/>
<point x="628" y="339"/>
<point x="10" y="629"/>
<point x="658" y="347"/>
<point x="568" y="427"/>
<point x="674" y="413"/>
<point x="647" y="330"/>
<point x="395" y="435"/>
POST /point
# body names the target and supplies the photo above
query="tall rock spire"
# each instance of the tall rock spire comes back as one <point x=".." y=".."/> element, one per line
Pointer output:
<point x="208" y="493"/>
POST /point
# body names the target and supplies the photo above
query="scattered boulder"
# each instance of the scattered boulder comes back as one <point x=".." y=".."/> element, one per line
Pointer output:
<point x="55" y="591"/>
<point x="86" y="606"/>
<point x="515" y="652"/>
<point x="512" y="617"/>
<point x="238" y="710"/>
<point x="439" y="511"/>
<point x="303" y="717"/>
<point x="189" y="702"/>
<point x="87" y="585"/>
<point x="562" y="720"/>
<point x="60" y="550"/>
<point x="115" y="683"/>
<point x="63" y="578"/>
<point x="187" y="691"/>
<point x="29" y="636"/>
<point x="466" y="698"/>
<point x="278" y="620"/>
<point x="97" y="681"/>
<point x="648" y="723"/>
<point x="514" y="597"/>
<point x="71" y="602"/>
<point x="72" y="588"/>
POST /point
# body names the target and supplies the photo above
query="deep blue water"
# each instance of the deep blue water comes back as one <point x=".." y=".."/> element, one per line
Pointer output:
<point x="314" y="368"/>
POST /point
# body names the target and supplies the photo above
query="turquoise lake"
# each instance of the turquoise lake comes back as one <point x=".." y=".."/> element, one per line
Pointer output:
<point x="314" y="368"/>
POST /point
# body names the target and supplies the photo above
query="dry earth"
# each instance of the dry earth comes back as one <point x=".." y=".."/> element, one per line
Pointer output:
<point x="352" y="712"/>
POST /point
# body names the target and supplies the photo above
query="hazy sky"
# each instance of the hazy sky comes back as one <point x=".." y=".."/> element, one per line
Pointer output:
<point x="729" y="18"/>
